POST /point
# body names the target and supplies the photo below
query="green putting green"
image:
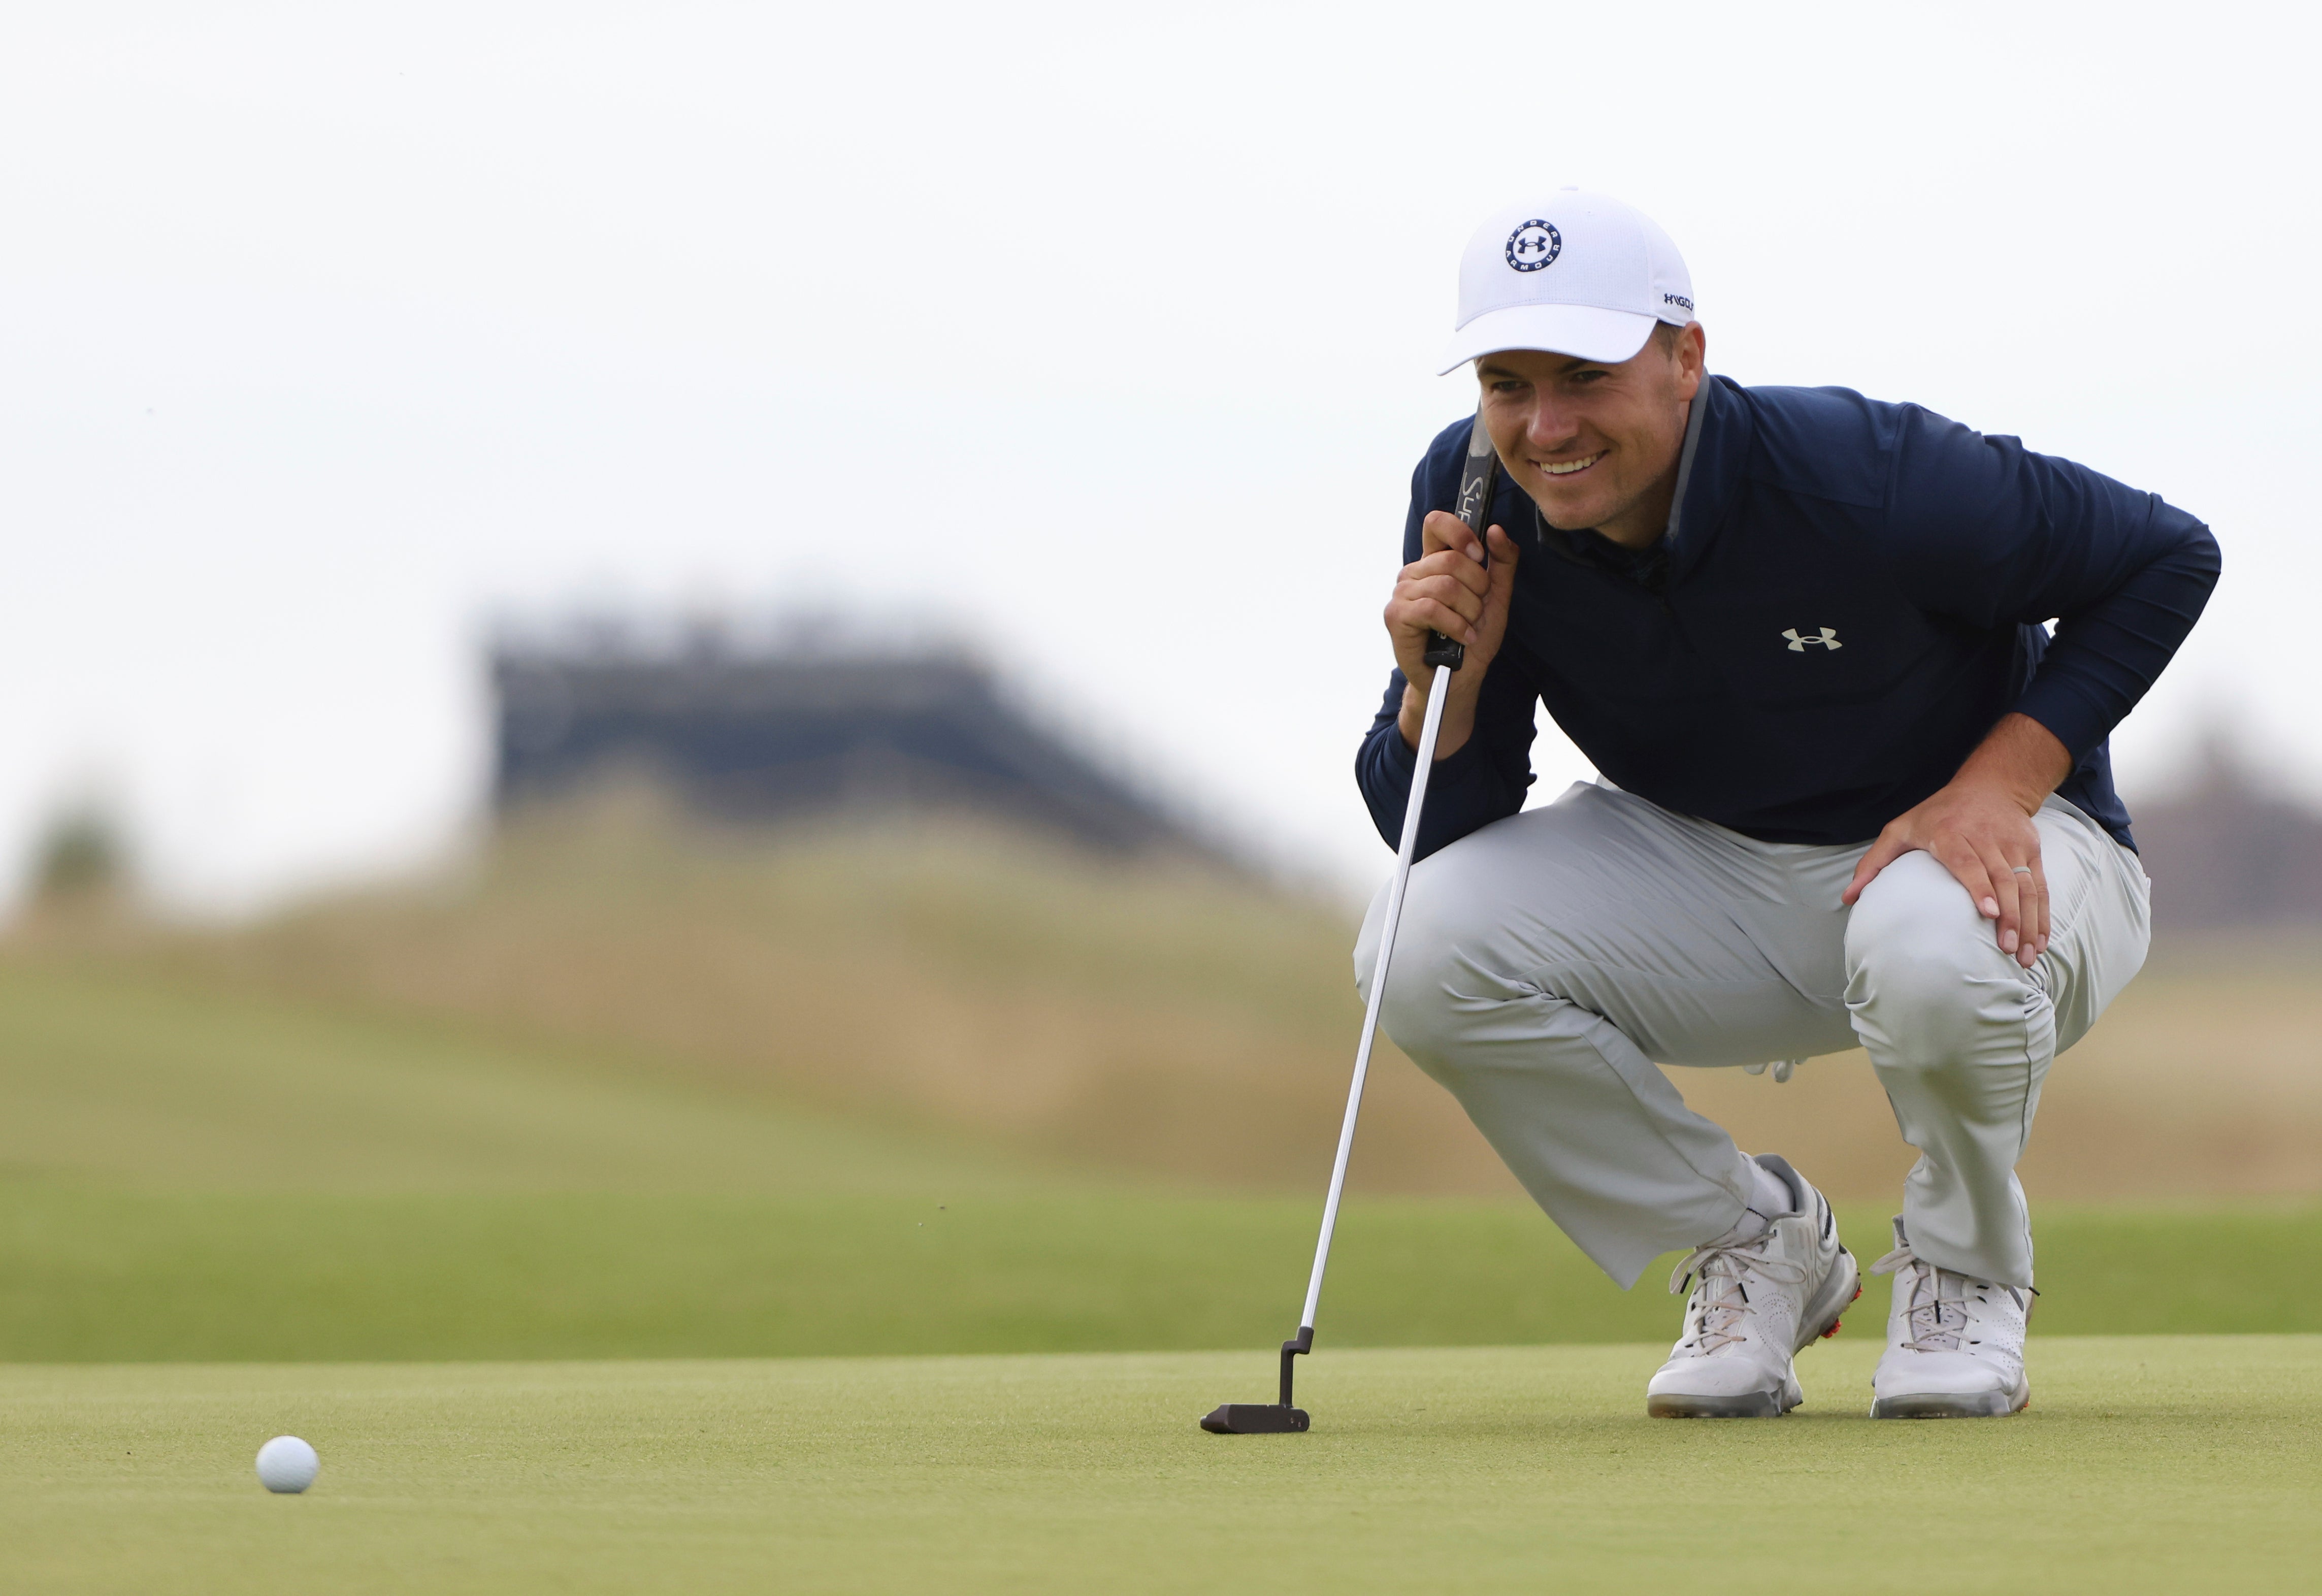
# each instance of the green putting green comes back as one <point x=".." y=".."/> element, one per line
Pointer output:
<point x="2151" y="1463"/>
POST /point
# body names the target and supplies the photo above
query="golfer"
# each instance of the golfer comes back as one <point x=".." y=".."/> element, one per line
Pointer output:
<point x="1853" y="793"/>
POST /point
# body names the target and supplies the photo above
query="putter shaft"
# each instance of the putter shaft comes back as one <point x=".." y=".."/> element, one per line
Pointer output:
<point x="1437" y="691"/>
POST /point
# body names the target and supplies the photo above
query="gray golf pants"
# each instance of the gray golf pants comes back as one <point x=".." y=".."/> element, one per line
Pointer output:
<point x="1545" y="962"/>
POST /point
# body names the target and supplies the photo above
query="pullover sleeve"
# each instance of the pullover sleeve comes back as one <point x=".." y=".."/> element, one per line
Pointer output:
<point x="1989" y="532"/>
<point x="1487" y="779"/>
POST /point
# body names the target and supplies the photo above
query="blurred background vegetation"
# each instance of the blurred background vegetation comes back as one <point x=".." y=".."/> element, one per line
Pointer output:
<point x="786" y="1007"/>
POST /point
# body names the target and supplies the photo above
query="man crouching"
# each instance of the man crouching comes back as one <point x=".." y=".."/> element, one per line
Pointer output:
<point x="1853" y="793"/>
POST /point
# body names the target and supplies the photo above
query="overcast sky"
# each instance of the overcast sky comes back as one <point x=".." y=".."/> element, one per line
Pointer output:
<point x="328" y="332"/>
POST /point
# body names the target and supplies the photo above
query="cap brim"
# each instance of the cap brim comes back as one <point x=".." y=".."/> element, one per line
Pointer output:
<point x="1582" y="331"/>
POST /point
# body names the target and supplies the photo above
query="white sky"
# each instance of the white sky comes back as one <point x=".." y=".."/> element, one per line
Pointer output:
<point x="327" y="331"/>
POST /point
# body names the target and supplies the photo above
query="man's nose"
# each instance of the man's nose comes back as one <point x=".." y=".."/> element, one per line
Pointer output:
<point x="1552" y="427"/>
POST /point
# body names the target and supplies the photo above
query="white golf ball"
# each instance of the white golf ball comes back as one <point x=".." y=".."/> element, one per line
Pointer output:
<point x="287" y="1463"/>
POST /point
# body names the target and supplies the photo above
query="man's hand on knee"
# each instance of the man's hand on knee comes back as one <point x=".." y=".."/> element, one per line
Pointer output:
<point x="1980" y="828"/>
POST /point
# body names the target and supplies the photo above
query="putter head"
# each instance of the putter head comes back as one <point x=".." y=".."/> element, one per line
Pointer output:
<point x="1254" y="1418"/>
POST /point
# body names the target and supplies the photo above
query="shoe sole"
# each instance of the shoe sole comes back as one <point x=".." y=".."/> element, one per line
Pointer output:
<point x="1748" y="1405"/>
<point x="1954" y="1405"/>
<point x="1839" y="1290"/>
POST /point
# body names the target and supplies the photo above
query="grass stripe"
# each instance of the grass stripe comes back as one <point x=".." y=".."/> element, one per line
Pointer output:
<point x="106" y="1275"/>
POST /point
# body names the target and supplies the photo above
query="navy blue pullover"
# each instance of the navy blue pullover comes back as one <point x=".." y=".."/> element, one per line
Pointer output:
<point x="1849" y="595"/>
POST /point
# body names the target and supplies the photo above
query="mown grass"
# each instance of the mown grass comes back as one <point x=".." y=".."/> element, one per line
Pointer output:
<point x="98" y="1276"/>
<point x="2145" y="1464"/>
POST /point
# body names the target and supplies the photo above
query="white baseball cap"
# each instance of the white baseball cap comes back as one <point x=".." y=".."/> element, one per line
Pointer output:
<point x="1575" y="273"/>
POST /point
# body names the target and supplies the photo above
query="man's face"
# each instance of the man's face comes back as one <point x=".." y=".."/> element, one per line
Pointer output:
<point x="1595" y="445"/>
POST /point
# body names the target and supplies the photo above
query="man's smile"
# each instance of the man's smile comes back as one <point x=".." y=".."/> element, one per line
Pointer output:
<point x="1565" y="468"/>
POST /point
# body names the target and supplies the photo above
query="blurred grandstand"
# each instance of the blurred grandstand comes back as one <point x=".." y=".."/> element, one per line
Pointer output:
<point x="799" y="723"/>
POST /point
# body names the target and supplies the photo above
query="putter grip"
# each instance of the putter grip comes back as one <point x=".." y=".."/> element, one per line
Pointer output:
<point x="1476" y="475"/>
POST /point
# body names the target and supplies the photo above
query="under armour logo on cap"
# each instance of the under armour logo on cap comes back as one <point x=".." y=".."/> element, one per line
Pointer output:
<point x="1533" y="245"/>
<point x="1829" y="639"/>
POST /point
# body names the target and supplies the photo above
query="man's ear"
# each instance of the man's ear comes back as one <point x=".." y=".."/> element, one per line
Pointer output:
<point x="1690" y="349"/>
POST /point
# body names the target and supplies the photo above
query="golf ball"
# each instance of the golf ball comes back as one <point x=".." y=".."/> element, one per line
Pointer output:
<point x="287" y="1463"/>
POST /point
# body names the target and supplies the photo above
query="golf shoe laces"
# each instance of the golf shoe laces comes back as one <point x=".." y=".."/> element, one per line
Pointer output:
<point x="1938" y="1314"/>
<point x="1723" y="1298"/>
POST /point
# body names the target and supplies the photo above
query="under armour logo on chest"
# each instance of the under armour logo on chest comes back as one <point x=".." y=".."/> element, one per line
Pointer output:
<point x="1829" y="639"/>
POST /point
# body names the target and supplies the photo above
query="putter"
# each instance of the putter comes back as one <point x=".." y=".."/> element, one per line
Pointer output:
<point x="1284" y="1418"/>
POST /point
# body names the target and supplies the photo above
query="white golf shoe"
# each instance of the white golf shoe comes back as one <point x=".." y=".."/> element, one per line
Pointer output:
<point x="1954" y="1343"/>
<point x="1768" y="1289"/>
